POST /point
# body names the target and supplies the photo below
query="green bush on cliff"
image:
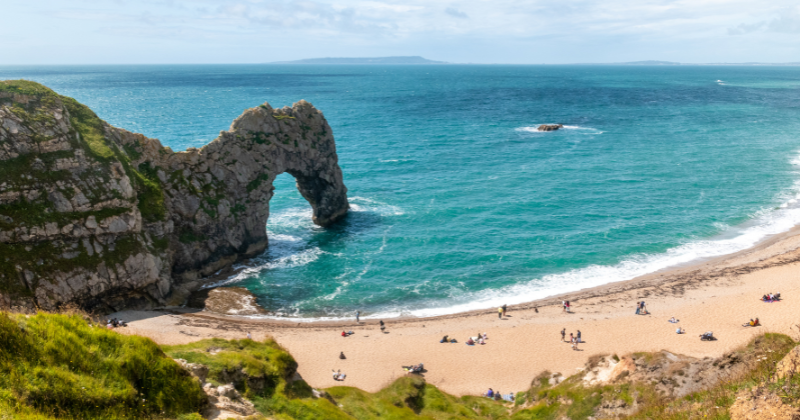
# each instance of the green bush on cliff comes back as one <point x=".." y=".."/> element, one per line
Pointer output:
<point x="59" y="367"/>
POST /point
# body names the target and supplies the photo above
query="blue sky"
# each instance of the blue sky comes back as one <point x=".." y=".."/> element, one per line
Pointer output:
<point x="477" y="31"/>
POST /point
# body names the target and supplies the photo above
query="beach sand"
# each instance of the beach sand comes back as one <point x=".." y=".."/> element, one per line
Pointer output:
<point x="717" y="295"/>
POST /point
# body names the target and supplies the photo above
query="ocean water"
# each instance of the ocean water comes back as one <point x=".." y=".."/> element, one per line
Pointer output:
<point x="458" y="203"/>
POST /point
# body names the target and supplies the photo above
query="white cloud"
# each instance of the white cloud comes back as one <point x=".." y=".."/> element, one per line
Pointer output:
<point x="472" y="31"/>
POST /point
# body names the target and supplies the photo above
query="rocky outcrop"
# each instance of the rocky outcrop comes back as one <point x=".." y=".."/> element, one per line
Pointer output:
<point x="103" y="218"/>
<point x="549" y="127"/>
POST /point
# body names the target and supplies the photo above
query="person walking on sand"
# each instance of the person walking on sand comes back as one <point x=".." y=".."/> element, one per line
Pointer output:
<point x="578" y="338"/>
<point x="500" y="313"/>
<point x="505" y="308"/>
<point x="383" y="327"/>
<point x="563" y="306"/>
<point x="563" y="334"/>
<point x="358" y="315"/>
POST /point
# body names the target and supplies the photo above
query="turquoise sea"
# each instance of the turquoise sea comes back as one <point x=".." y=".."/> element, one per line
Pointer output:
<point x="457" y="202"/>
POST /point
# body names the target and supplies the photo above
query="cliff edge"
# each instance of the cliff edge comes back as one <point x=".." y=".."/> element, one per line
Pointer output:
<point x="100" y="217"/>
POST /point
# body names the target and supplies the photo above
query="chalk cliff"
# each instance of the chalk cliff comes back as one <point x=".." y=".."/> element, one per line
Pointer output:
<point x="101" y="217"/>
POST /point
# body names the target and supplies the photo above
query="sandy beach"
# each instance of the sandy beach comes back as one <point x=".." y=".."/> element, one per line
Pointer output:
<point x="717" y="295"/>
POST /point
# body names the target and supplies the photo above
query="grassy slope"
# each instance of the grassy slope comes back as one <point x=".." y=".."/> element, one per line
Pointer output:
<point x="57" y="366"/>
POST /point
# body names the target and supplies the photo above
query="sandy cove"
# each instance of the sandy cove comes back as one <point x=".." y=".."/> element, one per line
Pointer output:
<point x="716" y="296"/>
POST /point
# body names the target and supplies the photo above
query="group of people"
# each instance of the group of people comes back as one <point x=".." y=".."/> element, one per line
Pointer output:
<point x="752" y="323"/>
<point x="497" y="396"/>
<point x="479" y="339"/>
<point x="447" y="339"/>
<point x="574" y="339"/>
<point x="501" y="311"/>
<point x="414" y="368"/>
<point x="338" y="375"/>
<point x="641" y="309"/>
<point x="115" y="323"/>
<point x="770" y="297"/>
<point x="565" y="306"/>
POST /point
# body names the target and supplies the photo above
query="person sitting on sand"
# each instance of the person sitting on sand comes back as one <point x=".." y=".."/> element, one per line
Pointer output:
<point x="490" y="393"/>
<point x="444" y="340"/>
<point x="470" y="342"/>
<point x="344" y="334"/>
<point x="673" y="320"/>
<point x="764" y="298"/>
<point x="680" y="331"/>
<point x="498" y="396"/>
<point x="338" y="376"/>
<point x="481" y="341"/>
<point x="756" y="323"/>
<point x="483" y="336"/>
<point x="341" y="355"/>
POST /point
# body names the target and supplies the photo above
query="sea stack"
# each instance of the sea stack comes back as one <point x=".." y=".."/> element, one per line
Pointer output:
<point x="549" y="127"/>
<point x="103" y="218"/>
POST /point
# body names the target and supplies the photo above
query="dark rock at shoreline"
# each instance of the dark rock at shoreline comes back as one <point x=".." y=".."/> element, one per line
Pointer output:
<point x="549" y="127"/>
<point x="226" y="301"/>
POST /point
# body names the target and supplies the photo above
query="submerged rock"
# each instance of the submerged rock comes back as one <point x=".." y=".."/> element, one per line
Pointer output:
<point x="158" y="222"/>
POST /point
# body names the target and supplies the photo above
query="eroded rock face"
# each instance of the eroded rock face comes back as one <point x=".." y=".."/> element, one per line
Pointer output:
<point x="97" y="216"/>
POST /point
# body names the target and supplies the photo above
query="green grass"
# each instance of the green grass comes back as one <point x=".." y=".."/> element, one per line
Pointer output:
<point x="715" y="402"/>
<point x="25" y="87"/>
<point x="59" y="367"/>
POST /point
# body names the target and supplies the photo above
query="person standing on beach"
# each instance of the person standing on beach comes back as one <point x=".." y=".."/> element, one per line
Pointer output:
<point x="383" y="327"/>
<point x="638" y="307"/>
<point x="563" y="306"/>
<point x="563" y="334"/>
<point x="579" y="336"/>
<point x="500" y="313"/>
<point x="505" y="308"/>
<point x="571" y="338"/>
<point x="358" y="315"/>
<point x="249" y="337"/>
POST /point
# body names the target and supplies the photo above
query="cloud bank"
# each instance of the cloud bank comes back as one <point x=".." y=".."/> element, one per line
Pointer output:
<point x="478" y="31"/>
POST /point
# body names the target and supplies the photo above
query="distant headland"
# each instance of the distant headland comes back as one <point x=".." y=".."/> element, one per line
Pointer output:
<point x="363" y="60"/>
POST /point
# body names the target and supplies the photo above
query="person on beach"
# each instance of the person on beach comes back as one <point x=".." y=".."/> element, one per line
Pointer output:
<point x="638" y="308"/>
<point x="383" y="327"/>
<point x="444" y="339"/>
<point x="490" y="393"/>
<point x="644" y="309"/>
<point x="563" y="306"/>
<point x="563" y="333"/>
<point x="470" y="342"/>
<point x="578" y="337"/>
<point x="500" y="313"/>
<point x="567" y="307"/>
<point x="249" y="336"/>
<point x="680" y="331"/>
<point x="574" y="344"/>
<point x="341" y="355"/>
<point x="673" y="320"/>
<point x="571" y="338"/>
<point x="505" y="308"/>
<point x="358" y="315"/>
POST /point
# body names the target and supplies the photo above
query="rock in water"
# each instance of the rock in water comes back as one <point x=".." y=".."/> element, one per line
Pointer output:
<point x="97" y="216"/>
<point x="549" y="127"/>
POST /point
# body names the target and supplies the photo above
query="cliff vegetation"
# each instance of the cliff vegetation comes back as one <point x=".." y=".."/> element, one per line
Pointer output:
<point x="65" y="367"/>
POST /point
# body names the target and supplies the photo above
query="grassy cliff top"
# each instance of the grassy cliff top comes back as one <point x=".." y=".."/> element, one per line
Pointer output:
<point x="63" y="367"/>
